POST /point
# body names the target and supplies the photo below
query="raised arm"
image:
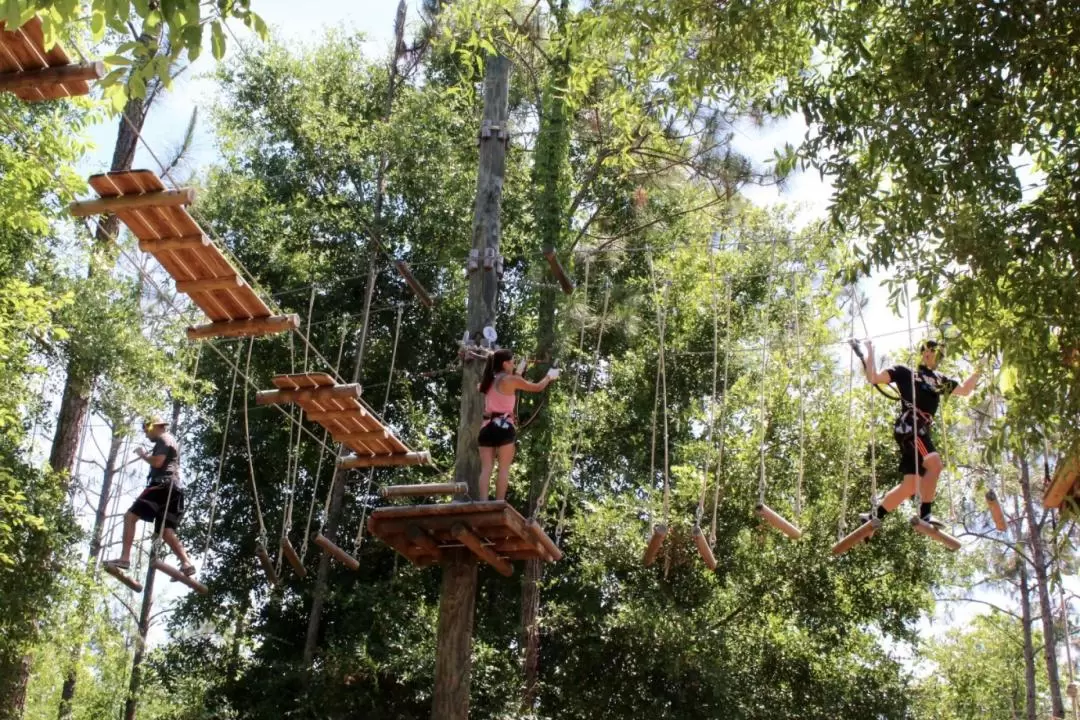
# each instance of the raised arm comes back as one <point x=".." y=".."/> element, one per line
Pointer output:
<point x="516" y="382"/>
<point x="873" y="375"/>
<point x="155" y="461"/>
<point x="965" y="388"/>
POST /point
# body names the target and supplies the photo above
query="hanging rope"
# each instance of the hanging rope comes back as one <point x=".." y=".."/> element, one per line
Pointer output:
<point x="386" y="406"/>
<point x="764" y="373"/>
<point x="802" y="403"/>
<point x="250" y="459"/>
<point x="287" y="518"/>
<point x="221" y="455"/>
<point x="661" y="317"/>
<point x="914" y="407"/>
<point x="842" y="529"/>
<point x="723" y="408"/>
<point x="712" y="398"/>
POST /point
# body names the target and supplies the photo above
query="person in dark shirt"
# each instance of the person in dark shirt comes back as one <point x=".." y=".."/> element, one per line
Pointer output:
<point x="920" y="394"/>
<point x="162" y="501"/>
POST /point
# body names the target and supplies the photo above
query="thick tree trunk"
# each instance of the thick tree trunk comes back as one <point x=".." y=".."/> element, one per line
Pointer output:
<point x="131" y="706"/>
<point x="1026" y="622"/>
<point x="1042" y="585"/>
<point x="322" y="574"/>
<point x="453" y="661"/>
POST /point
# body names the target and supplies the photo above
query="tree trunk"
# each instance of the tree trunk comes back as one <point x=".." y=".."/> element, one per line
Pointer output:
<point x="1042" y="585"/>
<point x="132" y="705"/>
<point x="1026" y="622"/>
<point x="453" y="660"/>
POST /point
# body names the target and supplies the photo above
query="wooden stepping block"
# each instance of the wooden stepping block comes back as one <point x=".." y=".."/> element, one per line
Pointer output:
<point x="133" y="584"/>
<point x="337" y="408"/>
<point x="1063" y="491"/>
<point x="160" y="221"/>
<point x="493" y="530"/>
<point x="35" y="74"/>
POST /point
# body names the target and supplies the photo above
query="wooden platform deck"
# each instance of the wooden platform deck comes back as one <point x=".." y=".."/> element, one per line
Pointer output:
<point x="493" y="530"/>
<point x="34" y="73"/>
<point x="1063" y="492"/>
<point x="160" y="221"/>
<point x="338" y="408"/>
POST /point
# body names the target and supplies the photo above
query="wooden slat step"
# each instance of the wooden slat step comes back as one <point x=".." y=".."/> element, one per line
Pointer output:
<point x="493" y="530"/>
<point x="159" y="219"/>
<point x="35" y="73"/>
<point x="1063" y="486"/>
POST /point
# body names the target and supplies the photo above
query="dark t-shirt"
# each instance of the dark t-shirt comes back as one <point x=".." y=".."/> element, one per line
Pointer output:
<point x="929" y="387"/>
<point x="170" y="469"/>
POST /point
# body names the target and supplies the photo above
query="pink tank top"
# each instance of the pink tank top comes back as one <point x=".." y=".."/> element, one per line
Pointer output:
<point x="497" y="403"/>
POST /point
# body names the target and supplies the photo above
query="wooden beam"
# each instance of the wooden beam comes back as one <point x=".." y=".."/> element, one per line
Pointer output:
<point x="335" y="552"/>
<point x="420" y="490"/>
<point x="184" y="242"/>
<point x="329" y="392"/>
<point x="292" y="558"/>
<point x="557" y="270"/>
<point x="995" y="511"/>
<point x="659" y="532"/>
<point x="120" y="575"/>
<point x="1065" y="477"/>
<point x="862" y="533"/>
<point x="924" y="528"/>
<point x="329" y="416"/>
<point x="177" y="575"/>
<point x="773" y="518"/>
<point x="364" y="436"/>
<point x="58" y="75"/>
<point x="422" y="540"/>
<point x="703" y="548"/>
<point x="255" y="327"/>
<point x="267" y="564"/>
<point x="226" y="282"/>
<point x="469" y="540"/>
<point x="419" y="290"/>
<point x="120" y="203"/>
<point x="395" y="460"/>
<point x="554" y="554"/>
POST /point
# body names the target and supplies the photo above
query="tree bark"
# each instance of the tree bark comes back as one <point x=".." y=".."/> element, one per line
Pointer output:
<point x="131" y="706"/>
<point x="1042" y="585"/>
<point x="453" y="661"/>
<point x="1026" y="622"/>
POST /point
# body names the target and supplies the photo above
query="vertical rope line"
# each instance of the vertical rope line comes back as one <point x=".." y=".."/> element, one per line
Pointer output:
<point x="250" y="460"/>
<point x="221" y="455"/>
<point x="802" y="402"/>
<point x="723" y="409"/>
<point x="764" y="374"/>
<point x="914" y="406"/>
<point x="842" y="530"/>
<point x="286" y="526"/>
<point x="712" y="397"/>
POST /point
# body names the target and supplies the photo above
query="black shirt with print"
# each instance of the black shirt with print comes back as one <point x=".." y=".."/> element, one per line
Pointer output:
<point x="929" y="387"/>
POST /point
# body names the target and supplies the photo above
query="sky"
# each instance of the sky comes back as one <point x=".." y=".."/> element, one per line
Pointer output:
<point x="806" y="192"/>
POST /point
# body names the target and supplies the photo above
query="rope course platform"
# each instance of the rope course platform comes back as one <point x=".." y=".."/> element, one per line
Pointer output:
<point x="493" y="530"/>
<point x="35" y="74"/>
<point x="337" y="408"/>
<point x="1063" y="492"/>
<point x="160" y="221"/>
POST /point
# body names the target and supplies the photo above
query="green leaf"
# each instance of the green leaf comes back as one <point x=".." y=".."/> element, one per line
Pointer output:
<point x="217" y="40"/>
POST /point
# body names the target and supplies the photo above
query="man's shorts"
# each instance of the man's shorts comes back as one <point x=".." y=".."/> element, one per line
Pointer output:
<point x="913" y="450"/>
<point x="150" y="506"/>
<point x="497" y="432"/>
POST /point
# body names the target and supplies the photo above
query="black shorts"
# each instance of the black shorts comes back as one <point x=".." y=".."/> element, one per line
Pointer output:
<point x="913" y="450"/>
<point x="150" y="506"/>
<point x="496" y="433"/>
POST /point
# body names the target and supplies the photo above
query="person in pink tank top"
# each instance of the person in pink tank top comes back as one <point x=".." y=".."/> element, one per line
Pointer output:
<point x="498" y="434"/>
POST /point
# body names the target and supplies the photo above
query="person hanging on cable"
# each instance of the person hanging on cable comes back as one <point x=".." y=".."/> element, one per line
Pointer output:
<point x="162" y="501"/>
<point x="920" y="394"/>
<point x="498" y="434"/>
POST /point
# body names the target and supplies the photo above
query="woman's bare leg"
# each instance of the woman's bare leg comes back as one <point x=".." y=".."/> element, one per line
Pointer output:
<point x="506" y="459"/>
<point x="487" y="464"/>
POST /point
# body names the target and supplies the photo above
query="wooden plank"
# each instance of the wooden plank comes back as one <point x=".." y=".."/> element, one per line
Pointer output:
<point x="280" y="397"/>
<point x="861" y="534"/>
<point x="773" y="518"/>
<point x="552" y="552"/>
<point x="995" y="511"/>
<point x="423" y="489"/>
<point x="190" y="287"/>
<point x="421" y="539"/>
<point x="289" y="552"/>
<point x="396" y="460"/>
<point x="179" y="576"/>
<point x="184" y="242"/>
<point x="267" y="564"/>
<point x="479" y="507"/>
<point x="336" y="552"/>
<point x="125" y="182"/>
<point x="120" y="575"/>
<point x="299" y="381"/>
<point x="61" y="75"/>
<point x="330" y="416"/>
<point x="467" y="538"/>
<point x="419" y="290"/>
<point x="652" y="549"/>
<point x="256" y="327"/>
<point x="105" y="205"/>
<point x="703" y="548"/>
<point x="364" y="437"/>
<point x="924" y="528"/>
<point x="1063" y="484"/>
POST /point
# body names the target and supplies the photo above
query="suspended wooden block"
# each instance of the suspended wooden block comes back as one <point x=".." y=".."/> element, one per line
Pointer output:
<point x="554" y="554"/>
<point x="123" y="577"/>
<point x="267" y="564"/>
<point x="995" y="510"/>
<point x="703" y="548"/>
<point x="492" y="530"/>
<point x="34" y="73"/>
<point x="352" y="462"/>
<point x="292" y="558"/>
<point x="423" y="490"/>
<point x="159" y="219"/>
<point x="559" y="272"/>
<point x="652" y="549"/>
<point x="419" y="290"/>
<point x="1063" y="486"/>
<point x="924" y="528"/>
<point x="773" y="518"/>
<point x="177" y="575"/>
<point x="1071" y="690"/>
<point x="861" y="534"/>
<point x="336" y="552"/>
